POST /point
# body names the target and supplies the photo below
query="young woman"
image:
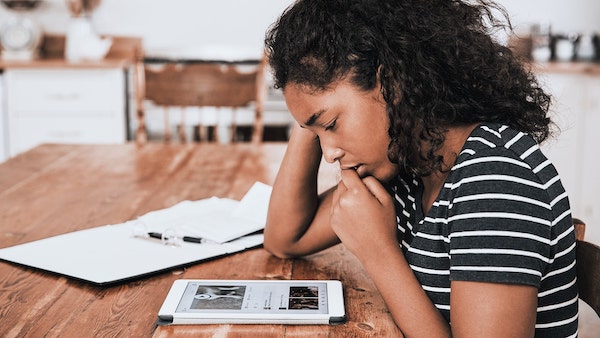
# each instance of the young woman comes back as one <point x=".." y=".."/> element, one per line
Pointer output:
<point x="445" y="197"/>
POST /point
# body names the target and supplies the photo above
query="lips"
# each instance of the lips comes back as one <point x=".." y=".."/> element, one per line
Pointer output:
<point x="347" y="167"/>
<point x="358" y="168"/>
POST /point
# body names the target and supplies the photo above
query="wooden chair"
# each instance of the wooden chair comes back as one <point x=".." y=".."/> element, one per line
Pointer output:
<point x="588" y="268"/>
<point x="201" y="84"/>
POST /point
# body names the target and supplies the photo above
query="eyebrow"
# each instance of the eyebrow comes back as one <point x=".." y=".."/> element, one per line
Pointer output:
<point x="314" y="117"/>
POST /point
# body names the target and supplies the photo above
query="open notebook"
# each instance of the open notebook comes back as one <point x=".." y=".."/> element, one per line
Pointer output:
<point x="114" y="253"/>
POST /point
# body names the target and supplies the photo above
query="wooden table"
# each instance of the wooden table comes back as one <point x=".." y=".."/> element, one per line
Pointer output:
<point x="55" y="189"/>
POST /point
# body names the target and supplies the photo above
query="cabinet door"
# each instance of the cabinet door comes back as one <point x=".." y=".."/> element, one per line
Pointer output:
<point x="564" y="149"/>
<point x="589" y="207"/>
<point x="3" y="125"/>
<point x="65" y="106"/>
<point x="575" y="150"/>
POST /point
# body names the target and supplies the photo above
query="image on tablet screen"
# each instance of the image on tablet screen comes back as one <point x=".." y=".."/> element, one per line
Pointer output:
<point x="219" y="297"/>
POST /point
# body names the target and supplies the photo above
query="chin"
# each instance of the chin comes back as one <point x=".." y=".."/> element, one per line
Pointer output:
<point x="384" y="176"/>
<point x="383" y="173"/>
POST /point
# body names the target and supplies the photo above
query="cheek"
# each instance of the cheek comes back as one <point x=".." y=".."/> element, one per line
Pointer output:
<point x="379" y="129"/>
<point x="374" y="124"/>
<point x="381" y="141"/>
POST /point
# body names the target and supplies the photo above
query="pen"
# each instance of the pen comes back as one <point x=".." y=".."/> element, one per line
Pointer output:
<point x="190" y="239"/>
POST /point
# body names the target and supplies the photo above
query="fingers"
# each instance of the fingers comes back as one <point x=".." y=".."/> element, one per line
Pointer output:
<point x="352" y="180"/>
<point x="339" y="190"/>
<point x="376" y="189"/>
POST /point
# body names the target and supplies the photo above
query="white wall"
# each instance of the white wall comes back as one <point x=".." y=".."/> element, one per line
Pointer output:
<point x="172" y="24"/>
<point x="579" y="16"/>
<point x="185" y="24"/>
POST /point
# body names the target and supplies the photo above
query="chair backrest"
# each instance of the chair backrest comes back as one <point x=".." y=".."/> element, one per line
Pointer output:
<point x="208" y="84"/>
<point x="588" y="268"/>
<point x="579" y="226"/>
<point x="588" y="274"/>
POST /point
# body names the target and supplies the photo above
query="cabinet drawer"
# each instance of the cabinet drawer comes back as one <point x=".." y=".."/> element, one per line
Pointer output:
<point x="60" y="92"/>
<point x="28" y="132"/>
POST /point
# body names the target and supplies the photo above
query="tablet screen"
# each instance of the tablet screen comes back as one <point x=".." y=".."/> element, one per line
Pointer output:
<point x="254" y="297"/>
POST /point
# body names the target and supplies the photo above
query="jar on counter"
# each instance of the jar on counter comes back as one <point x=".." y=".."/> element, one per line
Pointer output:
<point x="564" y="47"/>
<point x="541" y="42"/>
<point x="586" y="48"/>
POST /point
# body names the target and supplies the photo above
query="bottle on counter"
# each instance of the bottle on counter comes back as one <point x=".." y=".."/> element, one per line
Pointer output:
<point x="541" y="42"/>
<point x="586" y="48"/>
<point x="564" y="47"/>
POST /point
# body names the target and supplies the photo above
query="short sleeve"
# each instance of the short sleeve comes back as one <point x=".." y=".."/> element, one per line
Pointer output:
<point x="499" y="220"/>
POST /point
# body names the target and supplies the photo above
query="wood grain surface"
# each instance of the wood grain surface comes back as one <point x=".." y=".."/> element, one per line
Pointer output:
<point x="55" y="189"/>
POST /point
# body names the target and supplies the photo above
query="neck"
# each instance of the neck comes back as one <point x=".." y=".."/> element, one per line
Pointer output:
<point x="455" y="139"/>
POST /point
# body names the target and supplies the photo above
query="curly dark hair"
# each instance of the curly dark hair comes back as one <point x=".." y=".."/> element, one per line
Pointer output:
<point x="436" y="60"/>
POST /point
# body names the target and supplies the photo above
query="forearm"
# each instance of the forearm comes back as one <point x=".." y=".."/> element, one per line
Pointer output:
<point x="294" y="200"/>
<point x="412" y="310"/>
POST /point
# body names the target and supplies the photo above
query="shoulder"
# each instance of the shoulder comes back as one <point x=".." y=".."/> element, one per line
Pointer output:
<point x="501" y="173"/>
<point x="489" y="138"/>
<point x="499" y="149"/>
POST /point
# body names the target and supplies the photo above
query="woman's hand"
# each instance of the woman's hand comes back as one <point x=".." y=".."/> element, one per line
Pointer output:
<point x="364" y="218"/>
<point x="363" y="214"/>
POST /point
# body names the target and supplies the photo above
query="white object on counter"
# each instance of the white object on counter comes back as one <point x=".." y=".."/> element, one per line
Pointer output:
<point x="564" y="50"/>
<point x="585" y="48"/>
<point x="82" y="43"/>
<point x="541" y="54"/>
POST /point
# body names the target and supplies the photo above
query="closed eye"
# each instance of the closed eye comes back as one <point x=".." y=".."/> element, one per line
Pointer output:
<point x="331" y="125"/>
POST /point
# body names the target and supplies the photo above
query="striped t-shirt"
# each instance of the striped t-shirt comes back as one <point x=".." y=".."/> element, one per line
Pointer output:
<point x="502" y="216"/>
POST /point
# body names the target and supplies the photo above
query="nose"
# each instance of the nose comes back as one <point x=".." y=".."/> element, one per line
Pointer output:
<point x="331" y="153"/>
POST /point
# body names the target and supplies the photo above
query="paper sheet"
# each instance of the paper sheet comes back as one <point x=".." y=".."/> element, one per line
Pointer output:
<point x="113" y="253"/>
<point x="217" y="219"/>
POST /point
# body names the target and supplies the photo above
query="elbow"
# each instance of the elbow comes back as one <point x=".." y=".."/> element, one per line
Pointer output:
<point x="277" y="251"/>
<point x="277" y="247"/>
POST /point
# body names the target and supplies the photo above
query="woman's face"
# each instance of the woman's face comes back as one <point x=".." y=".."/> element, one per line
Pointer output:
<point x="352" y="126"/>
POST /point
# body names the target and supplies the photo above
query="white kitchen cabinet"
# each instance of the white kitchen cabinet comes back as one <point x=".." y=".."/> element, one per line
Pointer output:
<point x="3" y="128"/>
<point x="589" y="208"/>
<point x="64" y="105"/>
<point x="575" y="152"/>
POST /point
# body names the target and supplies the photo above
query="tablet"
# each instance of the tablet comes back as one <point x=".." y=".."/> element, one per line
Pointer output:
<point x="253" y="302"/>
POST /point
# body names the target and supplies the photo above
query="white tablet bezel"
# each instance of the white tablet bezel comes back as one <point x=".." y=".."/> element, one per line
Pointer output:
<point x="335" y="313"/>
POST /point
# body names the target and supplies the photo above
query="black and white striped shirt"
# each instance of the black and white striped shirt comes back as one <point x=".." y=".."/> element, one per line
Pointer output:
<point x="502" y="216"/>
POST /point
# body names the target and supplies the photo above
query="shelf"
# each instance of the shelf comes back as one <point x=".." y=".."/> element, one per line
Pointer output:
<point x="124" y="52"/>
<point x="576" y="68"/>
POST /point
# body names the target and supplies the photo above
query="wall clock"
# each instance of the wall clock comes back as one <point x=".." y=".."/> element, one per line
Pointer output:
<point x="20" y="38"/>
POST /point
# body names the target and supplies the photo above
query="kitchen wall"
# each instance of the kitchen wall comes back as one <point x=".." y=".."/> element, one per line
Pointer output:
<point x="580" y="16"/>
<point x="189" y="24"/>
<point x="172" y="24"/>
